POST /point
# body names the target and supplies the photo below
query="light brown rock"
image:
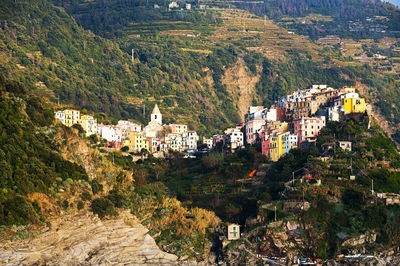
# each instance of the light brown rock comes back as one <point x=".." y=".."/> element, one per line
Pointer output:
<point x="86" y="240"/>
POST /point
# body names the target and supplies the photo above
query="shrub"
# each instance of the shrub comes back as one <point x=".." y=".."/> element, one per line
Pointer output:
<point x="96" y="186"/>
<point x="103" y="207"/>
<point x="86" y="196"/>
<point x="117" y="198"/>
<point x="17" y="210"/>
<point x="125" y="149"/>
<point x="80" y="205"/>
<point x="65" y="204"/>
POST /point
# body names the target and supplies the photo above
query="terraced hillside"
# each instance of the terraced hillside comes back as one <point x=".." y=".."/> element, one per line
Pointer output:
<point x="185" y="63"/>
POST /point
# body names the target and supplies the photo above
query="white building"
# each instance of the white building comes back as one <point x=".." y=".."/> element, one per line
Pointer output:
<point x="109" y="133"/>
<point x="174" y="142"/>
<point x="208" y="142"/>
<point x="290" y="142"/>
<point x="252" y="128"/>
<point x="334" y="113"/>
<point x="188" y="6"/>
<point x="190" y="139"/>
<point x="270" y="114"/>
<point x="173" y="5"/>
<point x="345" y="145"/>
<point x="233" y="231"/>
<point x="60" y="115"/>
<point x="156" y="115"/>
<point x="154" y="129"/>
<point x="126" y="126"/>
<point x="234" y="138"/>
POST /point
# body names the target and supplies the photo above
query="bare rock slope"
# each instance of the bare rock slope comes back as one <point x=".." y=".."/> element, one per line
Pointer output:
<point x="84" y="239"/>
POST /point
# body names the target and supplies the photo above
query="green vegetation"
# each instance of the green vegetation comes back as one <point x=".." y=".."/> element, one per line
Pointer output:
<point x="103" y="207"/>
<point x="29" y="157"/>
<point x="45" y="49"/>
<point x="342" y="209"/>
<point x="348" y="19"/>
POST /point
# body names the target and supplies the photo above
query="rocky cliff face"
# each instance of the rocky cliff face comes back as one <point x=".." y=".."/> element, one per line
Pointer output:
<point x="84" y="239"/>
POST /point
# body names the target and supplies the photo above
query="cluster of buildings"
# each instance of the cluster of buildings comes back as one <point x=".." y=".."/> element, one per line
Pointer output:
<point x="294" y="120"/>
<point x="232" y="139"/>
<point x="155" y="137"/>
<point x="298" y="118"/>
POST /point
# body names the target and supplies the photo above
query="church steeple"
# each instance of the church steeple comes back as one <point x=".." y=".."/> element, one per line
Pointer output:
<point x="156" y="115"/>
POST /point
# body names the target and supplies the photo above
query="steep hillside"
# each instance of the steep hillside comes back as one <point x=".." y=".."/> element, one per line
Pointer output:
<point x="30" y="156"/>
<point x="48" y="172"/>
<point x="43" y="47"/>
<point x="186" y="66"/>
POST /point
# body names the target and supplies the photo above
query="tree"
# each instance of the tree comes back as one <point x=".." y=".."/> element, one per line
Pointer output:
<point x="316" y="167"/>
<point x="140" y="176"/>
<point x="125" y="149"/>
<point x="159" y="171"/>
<point x="103" y="207"/>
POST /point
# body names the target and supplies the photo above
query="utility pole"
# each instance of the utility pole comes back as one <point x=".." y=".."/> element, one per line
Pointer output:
<point x="58" y="100"/>
<point x="133" y="56"/>
<point x="351" y="165"/>
<point x="372" y="187"/>
<point x="293" y="179"/>
<point x="275" y="213"/>
<point x="144" y="109"/>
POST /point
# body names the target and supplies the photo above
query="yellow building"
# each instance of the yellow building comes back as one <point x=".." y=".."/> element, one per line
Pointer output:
<point x="278" y="126"/>
<point x="177" y="128"/>
<point x="136" y="141"/>
<point x="358" y="105"/>
<point x="277" y="146"/>
<point x="72" y="117"/>
<point x="89" y="124"/>
<point x="354" y="105"/>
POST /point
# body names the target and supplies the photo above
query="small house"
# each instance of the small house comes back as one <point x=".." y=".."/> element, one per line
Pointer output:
<point x="233" y="231"/>
<point x="345" y="145"/>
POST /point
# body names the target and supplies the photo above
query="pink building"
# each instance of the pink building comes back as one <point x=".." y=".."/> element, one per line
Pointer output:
<point x="308" y="128"/>
<point x="252" y="128"/>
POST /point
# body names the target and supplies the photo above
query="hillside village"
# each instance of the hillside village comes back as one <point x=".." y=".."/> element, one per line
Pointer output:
<point x="155" y="138"/>
<point x="295" y="120"/>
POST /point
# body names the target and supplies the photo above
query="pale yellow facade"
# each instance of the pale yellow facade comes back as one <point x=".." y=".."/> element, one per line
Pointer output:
<point x="72" y="117"/>
<point x="136" y="141"/>
<point x="278" y="126"/>
<point x="89" y="124"/>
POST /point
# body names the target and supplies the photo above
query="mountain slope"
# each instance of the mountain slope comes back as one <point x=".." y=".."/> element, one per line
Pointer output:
<point x="182" y="65"/>
<point x="43" y="47"/>
<point x="346" y="18"/>
<point x="30" y="158"/>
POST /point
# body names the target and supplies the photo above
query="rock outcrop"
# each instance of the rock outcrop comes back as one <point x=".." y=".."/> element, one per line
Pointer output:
<point x="84" y="239"/>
